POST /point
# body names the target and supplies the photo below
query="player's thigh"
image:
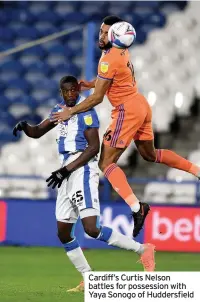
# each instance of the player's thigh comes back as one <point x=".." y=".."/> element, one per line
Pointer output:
<point x="126" y="120"/>
<point x="91" y="225"/>
<point x="66" y="211"/>
<point x="145" y="131"/>
<point x="83" y="190"/>
<point x="109" y="155"/>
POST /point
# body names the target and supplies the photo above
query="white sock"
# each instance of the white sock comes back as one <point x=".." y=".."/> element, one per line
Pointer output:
<point x="135" y="208"/>
<point x="78" y="259"/>
<point x="124" y="242"/>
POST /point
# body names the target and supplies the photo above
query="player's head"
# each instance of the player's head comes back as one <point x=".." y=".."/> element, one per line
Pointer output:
<point x="69" y="90"/>
<point x="103" y="33"/>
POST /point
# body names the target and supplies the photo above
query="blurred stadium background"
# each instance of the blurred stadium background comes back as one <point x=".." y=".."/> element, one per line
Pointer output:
<point x="166" y="60"/>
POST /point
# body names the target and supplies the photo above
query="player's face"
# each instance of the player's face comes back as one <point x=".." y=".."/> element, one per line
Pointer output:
<point x="70" y="93"/>
<point x="103" y="37"/>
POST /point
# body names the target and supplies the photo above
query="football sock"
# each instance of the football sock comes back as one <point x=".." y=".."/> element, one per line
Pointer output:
<point x="174" y="160"/>
<point x="76" y="256"/>
<point x="115" y="238"/>
<point x="119" y="182"/>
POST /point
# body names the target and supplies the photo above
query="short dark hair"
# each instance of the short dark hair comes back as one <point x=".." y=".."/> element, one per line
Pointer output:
<point x="68" y="79"/>
<point x="110" y="20"/>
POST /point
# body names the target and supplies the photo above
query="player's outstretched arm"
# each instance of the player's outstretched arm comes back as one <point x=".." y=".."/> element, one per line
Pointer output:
<point x="91" y="101"/>
<point x="34" y="131"/>
<point x="92" y="137"/>
<point x="94" y="99"/>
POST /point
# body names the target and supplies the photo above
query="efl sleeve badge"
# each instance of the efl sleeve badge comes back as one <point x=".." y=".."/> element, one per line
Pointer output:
<point x="104" y="67"/>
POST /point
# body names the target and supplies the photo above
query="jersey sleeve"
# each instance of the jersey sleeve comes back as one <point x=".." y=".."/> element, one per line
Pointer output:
<point x="90" y="119"/>
<point x="107" y="68"/>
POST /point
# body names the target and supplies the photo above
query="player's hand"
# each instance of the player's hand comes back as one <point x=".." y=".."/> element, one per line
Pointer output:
<point x="85" y="85"/>
<point x="57" y="177"/>
<point x="19" y="127"/>
<point x="65" y="114"/>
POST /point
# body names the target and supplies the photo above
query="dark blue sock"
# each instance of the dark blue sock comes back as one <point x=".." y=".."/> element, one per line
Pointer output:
<point x="105" y="234"/>
<point x="70" y="246"/>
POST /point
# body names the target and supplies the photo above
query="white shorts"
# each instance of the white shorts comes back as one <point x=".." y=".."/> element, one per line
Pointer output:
<point x="79" y="196"/>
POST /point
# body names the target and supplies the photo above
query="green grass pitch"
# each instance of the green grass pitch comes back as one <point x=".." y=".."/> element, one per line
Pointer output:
<point x="44" y="274"/>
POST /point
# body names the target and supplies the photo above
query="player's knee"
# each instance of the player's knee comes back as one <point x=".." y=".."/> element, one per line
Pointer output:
<point x="150" y="157"/>
<point x="92" y="231"/>
<point x="104" y="164"/>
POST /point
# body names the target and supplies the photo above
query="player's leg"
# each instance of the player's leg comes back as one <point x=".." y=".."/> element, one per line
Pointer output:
<point x="66" y="216"/>
<point x="145" y="145"/>
<point x="167" y="157"/>
<point x="107" y="164"/>
<point x="71" y="246"/>
<point x="119" y="135"/>
<point x="114" y="238"/>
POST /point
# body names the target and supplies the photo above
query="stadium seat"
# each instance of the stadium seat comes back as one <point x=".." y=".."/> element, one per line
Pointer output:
<point x="43" y="194"/>
<point x="157" y="193"/>
<point x="34" y="77"/>
<point x="11" y="66"/>
<point x="4" y="18"/>
<point x="28" y="32"/>
<point x="2" y="172"/>
<point x="7" y="34"/>
<point x="18" y="110"/>
<point x="38" y="7"/>
<point x="72" y="17"/>
<point x="156" y="19"/>
<point x="16" y="167"/>
<point x="28" y="60"/>
<point x="4" y="182"/>
<point x="63" y="8"/>
<point x="20" y="194"/>
<point x="49" y="16"/>
<point x="45" y="168"/>
<point x="169" y="7"/>
<point x="4" y="103"/>
<point x="183" y="194"/>
<point x="7" y="136"/>
<point x="41" y="95"/>
<point x="7" y="118"/>
<point x="194" y="157"/>
<point x="39" y="66"/>
<point x="178" y="175"/>
<point x="20" y="84"/>
<point x="35" y="51"/>
<point x="16" y="150"/>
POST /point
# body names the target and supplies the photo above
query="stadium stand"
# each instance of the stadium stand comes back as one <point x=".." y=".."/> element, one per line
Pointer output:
<point x="167" y="38"/>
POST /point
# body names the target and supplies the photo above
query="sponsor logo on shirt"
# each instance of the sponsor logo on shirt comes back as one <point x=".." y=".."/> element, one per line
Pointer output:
<point x="62" y="130"/>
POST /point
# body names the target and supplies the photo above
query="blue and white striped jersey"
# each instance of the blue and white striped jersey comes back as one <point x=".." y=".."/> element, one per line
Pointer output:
<point x="70" y="134"/>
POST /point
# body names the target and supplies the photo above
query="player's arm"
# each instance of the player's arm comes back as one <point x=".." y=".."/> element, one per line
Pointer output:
<point x="92" y="137"/>
<point x="34" y="131"/>
<point x="91" y="101"/>
<point x="57" y="177"/>
<point x="94" y="99"/>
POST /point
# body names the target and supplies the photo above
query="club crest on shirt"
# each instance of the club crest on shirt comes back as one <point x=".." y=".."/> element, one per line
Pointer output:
<point x="88" y="119"/>
<point x="104" y="67"/>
